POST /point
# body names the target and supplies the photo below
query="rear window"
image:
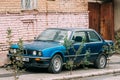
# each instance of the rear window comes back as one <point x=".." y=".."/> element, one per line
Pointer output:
<point x="93" y="37"/>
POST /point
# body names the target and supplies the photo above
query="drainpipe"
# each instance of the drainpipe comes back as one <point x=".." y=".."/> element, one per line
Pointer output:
<point x="46" y="13"/>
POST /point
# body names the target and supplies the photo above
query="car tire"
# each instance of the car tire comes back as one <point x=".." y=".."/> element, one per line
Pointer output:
<point x="56" y="64"/>
<point x="101" y="62"/>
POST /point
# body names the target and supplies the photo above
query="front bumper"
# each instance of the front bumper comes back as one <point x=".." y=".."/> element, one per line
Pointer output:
<point x="34" y="61"/>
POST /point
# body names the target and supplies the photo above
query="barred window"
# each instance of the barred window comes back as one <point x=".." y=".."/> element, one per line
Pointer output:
<point x="28" y="4"/>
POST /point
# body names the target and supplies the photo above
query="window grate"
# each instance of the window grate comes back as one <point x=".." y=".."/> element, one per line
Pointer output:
<point x="28" y="4"/>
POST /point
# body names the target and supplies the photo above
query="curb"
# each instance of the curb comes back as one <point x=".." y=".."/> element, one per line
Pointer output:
<point x="102" y="72"/>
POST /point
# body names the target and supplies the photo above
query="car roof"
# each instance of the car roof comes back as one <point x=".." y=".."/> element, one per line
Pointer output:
<point x="74" y="29"/>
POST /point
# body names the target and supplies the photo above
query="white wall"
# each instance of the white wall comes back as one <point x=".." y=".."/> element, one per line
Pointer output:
<point x="117" y="14"/>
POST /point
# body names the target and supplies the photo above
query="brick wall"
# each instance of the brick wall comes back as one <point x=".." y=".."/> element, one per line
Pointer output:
<point x="10" y="6"/>
<point x="62" y="5"/>
<point x="14" y="6"/>
<point x="29" y="26"/>
<point x="3" y="54"/>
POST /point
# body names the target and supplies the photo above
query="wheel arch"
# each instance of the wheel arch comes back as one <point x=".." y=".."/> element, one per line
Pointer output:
<point x="59" y="53"/>
<point x="102" y="53"/>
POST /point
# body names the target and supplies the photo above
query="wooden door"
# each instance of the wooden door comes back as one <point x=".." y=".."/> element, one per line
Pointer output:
<point x="107" y="21"/>
<point x="94" y="16"/>
<point x="101" y="19"/>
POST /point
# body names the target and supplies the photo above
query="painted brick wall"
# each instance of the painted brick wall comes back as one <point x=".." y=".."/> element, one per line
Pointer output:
<point x="22" y="25"/>
<point x="29" y="26"/>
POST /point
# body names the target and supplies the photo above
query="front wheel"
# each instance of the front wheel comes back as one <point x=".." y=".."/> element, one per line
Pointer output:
<point x="56" y="64"/>
<point x="101" y="62"/>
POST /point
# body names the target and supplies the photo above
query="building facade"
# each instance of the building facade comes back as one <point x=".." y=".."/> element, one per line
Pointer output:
<point x="27" y="18"/>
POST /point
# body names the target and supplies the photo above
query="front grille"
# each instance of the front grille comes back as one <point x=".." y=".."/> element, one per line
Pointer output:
<point x="28" y="52"/>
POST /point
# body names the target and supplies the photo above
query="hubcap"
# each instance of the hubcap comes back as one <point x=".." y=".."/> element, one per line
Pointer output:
<point x="57" y="64"/>
<point x="102" y="61"/>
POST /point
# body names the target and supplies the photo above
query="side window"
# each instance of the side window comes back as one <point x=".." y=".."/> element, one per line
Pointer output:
<point x="28" y="4"/>
<point x="79" y="36"/>
<point x="93" y="37"/>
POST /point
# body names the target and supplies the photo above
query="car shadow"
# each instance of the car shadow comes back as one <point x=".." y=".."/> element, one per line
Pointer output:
<point x="45" y="70"/>
<point x="36" y="70"/>
<point x="33" y="70"/>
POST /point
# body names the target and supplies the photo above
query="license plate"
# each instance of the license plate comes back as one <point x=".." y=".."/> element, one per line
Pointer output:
<point x="23" y="59"/>
<point x="26" y="59"/>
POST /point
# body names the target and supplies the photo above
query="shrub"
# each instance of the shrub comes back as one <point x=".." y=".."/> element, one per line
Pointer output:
<point x="15" y="65"/>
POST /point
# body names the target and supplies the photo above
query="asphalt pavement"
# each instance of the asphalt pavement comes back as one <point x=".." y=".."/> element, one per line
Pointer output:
<point x="42" y="74"/>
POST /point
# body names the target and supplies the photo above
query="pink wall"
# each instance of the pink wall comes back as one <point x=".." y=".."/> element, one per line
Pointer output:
<point x="29" y="26"/>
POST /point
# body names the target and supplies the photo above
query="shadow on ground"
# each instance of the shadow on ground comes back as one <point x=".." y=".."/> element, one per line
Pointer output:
<point x="45" y="70"/>
<point x="6" y="75"/>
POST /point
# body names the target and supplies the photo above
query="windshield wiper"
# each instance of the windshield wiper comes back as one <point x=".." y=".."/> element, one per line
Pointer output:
<point x="45" y="40"/>
<point x="38" y="40"/>
<point x="50" y="40"/>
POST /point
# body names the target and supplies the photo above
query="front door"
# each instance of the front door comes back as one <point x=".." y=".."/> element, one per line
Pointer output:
<point x="94" y="44"/>
<point x="79" y="46"/>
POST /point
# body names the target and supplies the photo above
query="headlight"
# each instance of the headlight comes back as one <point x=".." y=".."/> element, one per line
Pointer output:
<point x="13" y="51"/>
<point x="34" y="53"/>
<point x="39" y="53"/>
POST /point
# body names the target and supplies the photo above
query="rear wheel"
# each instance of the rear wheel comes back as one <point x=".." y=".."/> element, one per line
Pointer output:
<point x="101" y="62"/>
<point x="56" y="64"/>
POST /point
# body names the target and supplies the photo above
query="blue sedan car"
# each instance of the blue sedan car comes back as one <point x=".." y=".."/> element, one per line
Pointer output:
<point x="48" y="51"/>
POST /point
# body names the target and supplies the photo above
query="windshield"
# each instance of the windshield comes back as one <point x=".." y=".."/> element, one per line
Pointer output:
<point x="53" y="35"/>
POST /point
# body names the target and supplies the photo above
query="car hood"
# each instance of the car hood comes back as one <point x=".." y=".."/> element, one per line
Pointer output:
<point x="40" y="45"/>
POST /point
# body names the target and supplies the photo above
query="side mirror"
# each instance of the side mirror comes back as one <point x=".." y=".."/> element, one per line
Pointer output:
<point x="72" y="41"/>
<point x="35" y="37"/>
